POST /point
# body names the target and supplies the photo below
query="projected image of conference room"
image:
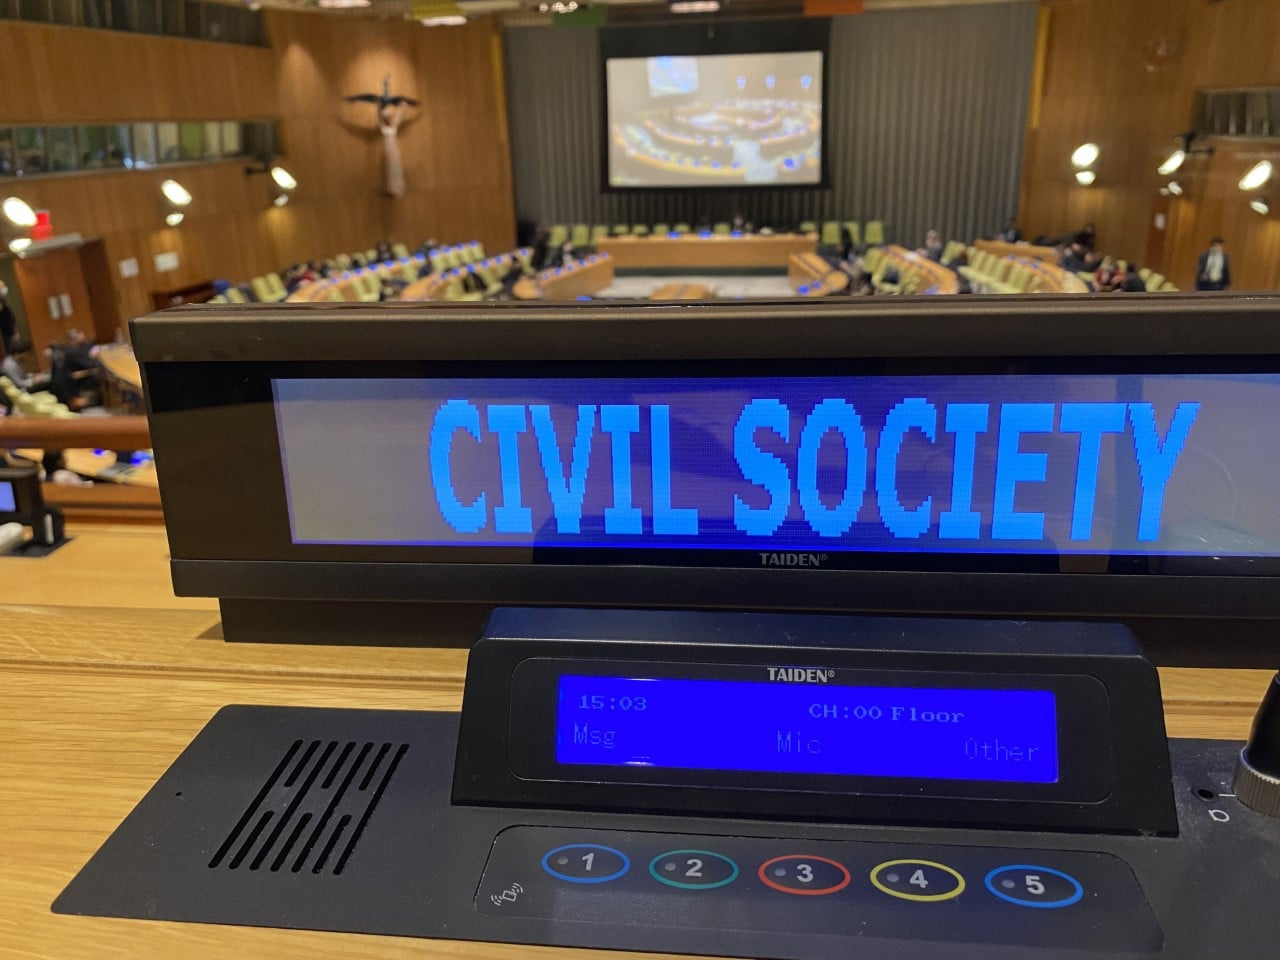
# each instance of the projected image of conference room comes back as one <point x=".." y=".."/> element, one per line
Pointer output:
<point x="715" y="120"/>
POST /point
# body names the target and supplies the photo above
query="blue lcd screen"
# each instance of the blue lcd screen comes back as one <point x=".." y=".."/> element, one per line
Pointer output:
<point x="865" y="731"/>
<point x="790" y="469"/>
<point x="7" y="502"/>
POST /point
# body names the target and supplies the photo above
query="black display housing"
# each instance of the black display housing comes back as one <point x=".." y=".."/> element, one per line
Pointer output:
<point x="1113" y="759"/>
<point x="208" y="373"/>
<point x="28" y="501"/>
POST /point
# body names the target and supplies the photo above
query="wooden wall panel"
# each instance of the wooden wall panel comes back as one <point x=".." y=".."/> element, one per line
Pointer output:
<point x="1123" y="74"/>
<point x="454" y="147"/>
<point x="67" y="75"/>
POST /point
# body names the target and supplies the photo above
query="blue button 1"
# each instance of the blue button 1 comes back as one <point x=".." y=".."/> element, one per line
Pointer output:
<point x="585" y="863"/>
<point x="1028" y="885"/>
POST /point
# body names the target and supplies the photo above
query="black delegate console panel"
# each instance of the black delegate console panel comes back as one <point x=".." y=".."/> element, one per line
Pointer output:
<point x="946" y="722"/>
<point x="899" y="845"/>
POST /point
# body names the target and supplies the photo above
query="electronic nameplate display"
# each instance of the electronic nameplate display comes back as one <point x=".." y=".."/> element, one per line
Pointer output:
<point x="785" y="468"/>
<point x="981" y="455"/>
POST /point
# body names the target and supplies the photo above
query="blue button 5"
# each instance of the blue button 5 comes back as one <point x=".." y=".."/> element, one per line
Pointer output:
<point x="1028" y="885"/>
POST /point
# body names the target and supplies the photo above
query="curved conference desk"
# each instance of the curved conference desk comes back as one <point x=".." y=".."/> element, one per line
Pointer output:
<point x="701" y="250"/>
<point x="1002" y="249"/>
<point x="916" y="274"/>
<point x="582" y="278"/>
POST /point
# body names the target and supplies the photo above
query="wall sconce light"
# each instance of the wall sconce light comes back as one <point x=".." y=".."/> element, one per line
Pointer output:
<point x="21" y="218"/>
<point x="1085" y="177"/>
<point x="282" y="181"/>
<point x="1085" y="155"/>
<point x="1173" y="163"/>
<point x="1175" y="188"/>
<point x="1258" y="174"/>
<point x="19" y="213"/>
<point x="1260" y="206"/>
<point x="175" y="193"/>
<point x="176" y="197"/>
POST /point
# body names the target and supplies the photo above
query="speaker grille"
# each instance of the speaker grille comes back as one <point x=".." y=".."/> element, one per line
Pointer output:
<point x="313" y="808"/>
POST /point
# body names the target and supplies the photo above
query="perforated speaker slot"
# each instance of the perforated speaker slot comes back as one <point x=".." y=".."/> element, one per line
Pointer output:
<point x="313" y="808"/>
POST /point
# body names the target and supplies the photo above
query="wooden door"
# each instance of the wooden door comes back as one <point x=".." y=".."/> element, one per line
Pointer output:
<point x="104" y="301"/>
<point x="56" y="297"/>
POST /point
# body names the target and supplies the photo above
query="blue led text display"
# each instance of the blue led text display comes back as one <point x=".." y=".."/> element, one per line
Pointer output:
<point x="790" y="467"/>
<point x="8" y="503"/>
<point x="932" y="734"/>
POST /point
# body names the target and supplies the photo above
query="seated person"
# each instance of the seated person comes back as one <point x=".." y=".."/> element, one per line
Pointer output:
<point x="541" y="256"/>
<point x="846" y="251"/>
<point x="1108" y="278"/>
<point x="565" y="257"/>
<point x="13" y="366"/>
<point x="73" y="377"/>
<point x="472" y="283"/>
<point x="1079" y="260"/>
<point x="1133" y="282"/>
<point x="859" y="276"/>
<point x="932" y="248"/>
<point x="1010" y="233"/>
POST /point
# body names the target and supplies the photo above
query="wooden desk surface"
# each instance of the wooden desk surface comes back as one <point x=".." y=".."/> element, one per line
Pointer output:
<point x="106" y="678"/>
<point x="118" y="360"/>
<point x="692" y="250"/>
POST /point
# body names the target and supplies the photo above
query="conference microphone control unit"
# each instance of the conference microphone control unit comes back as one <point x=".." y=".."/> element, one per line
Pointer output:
<point x="790" y="786"/>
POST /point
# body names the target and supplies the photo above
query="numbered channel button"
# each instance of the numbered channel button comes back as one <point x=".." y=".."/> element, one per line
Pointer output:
<point x="805" y="875"/>
<point x="693" y="869"/>
<point x="585" y="863"/>
<point x="1028" y="885"/>
<point x="920" y="880"/>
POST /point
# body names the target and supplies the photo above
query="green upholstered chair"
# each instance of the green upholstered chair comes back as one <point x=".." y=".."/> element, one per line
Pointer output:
<point x="721" y="228"/>
<point x="661" y="229"/>
<point x="830" y="233"/>
<point x="639" y="230"/>
<point x="809" y="226"/>
<point x="875" y="233"/>
<point x="276" y="286"/>
<point x="855" y="231"/>
<point x="580" y="236"/>
<point x="558" y="235"/>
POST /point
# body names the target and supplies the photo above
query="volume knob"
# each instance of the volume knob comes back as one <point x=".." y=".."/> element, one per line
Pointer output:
<point x="1257" y="779"/>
